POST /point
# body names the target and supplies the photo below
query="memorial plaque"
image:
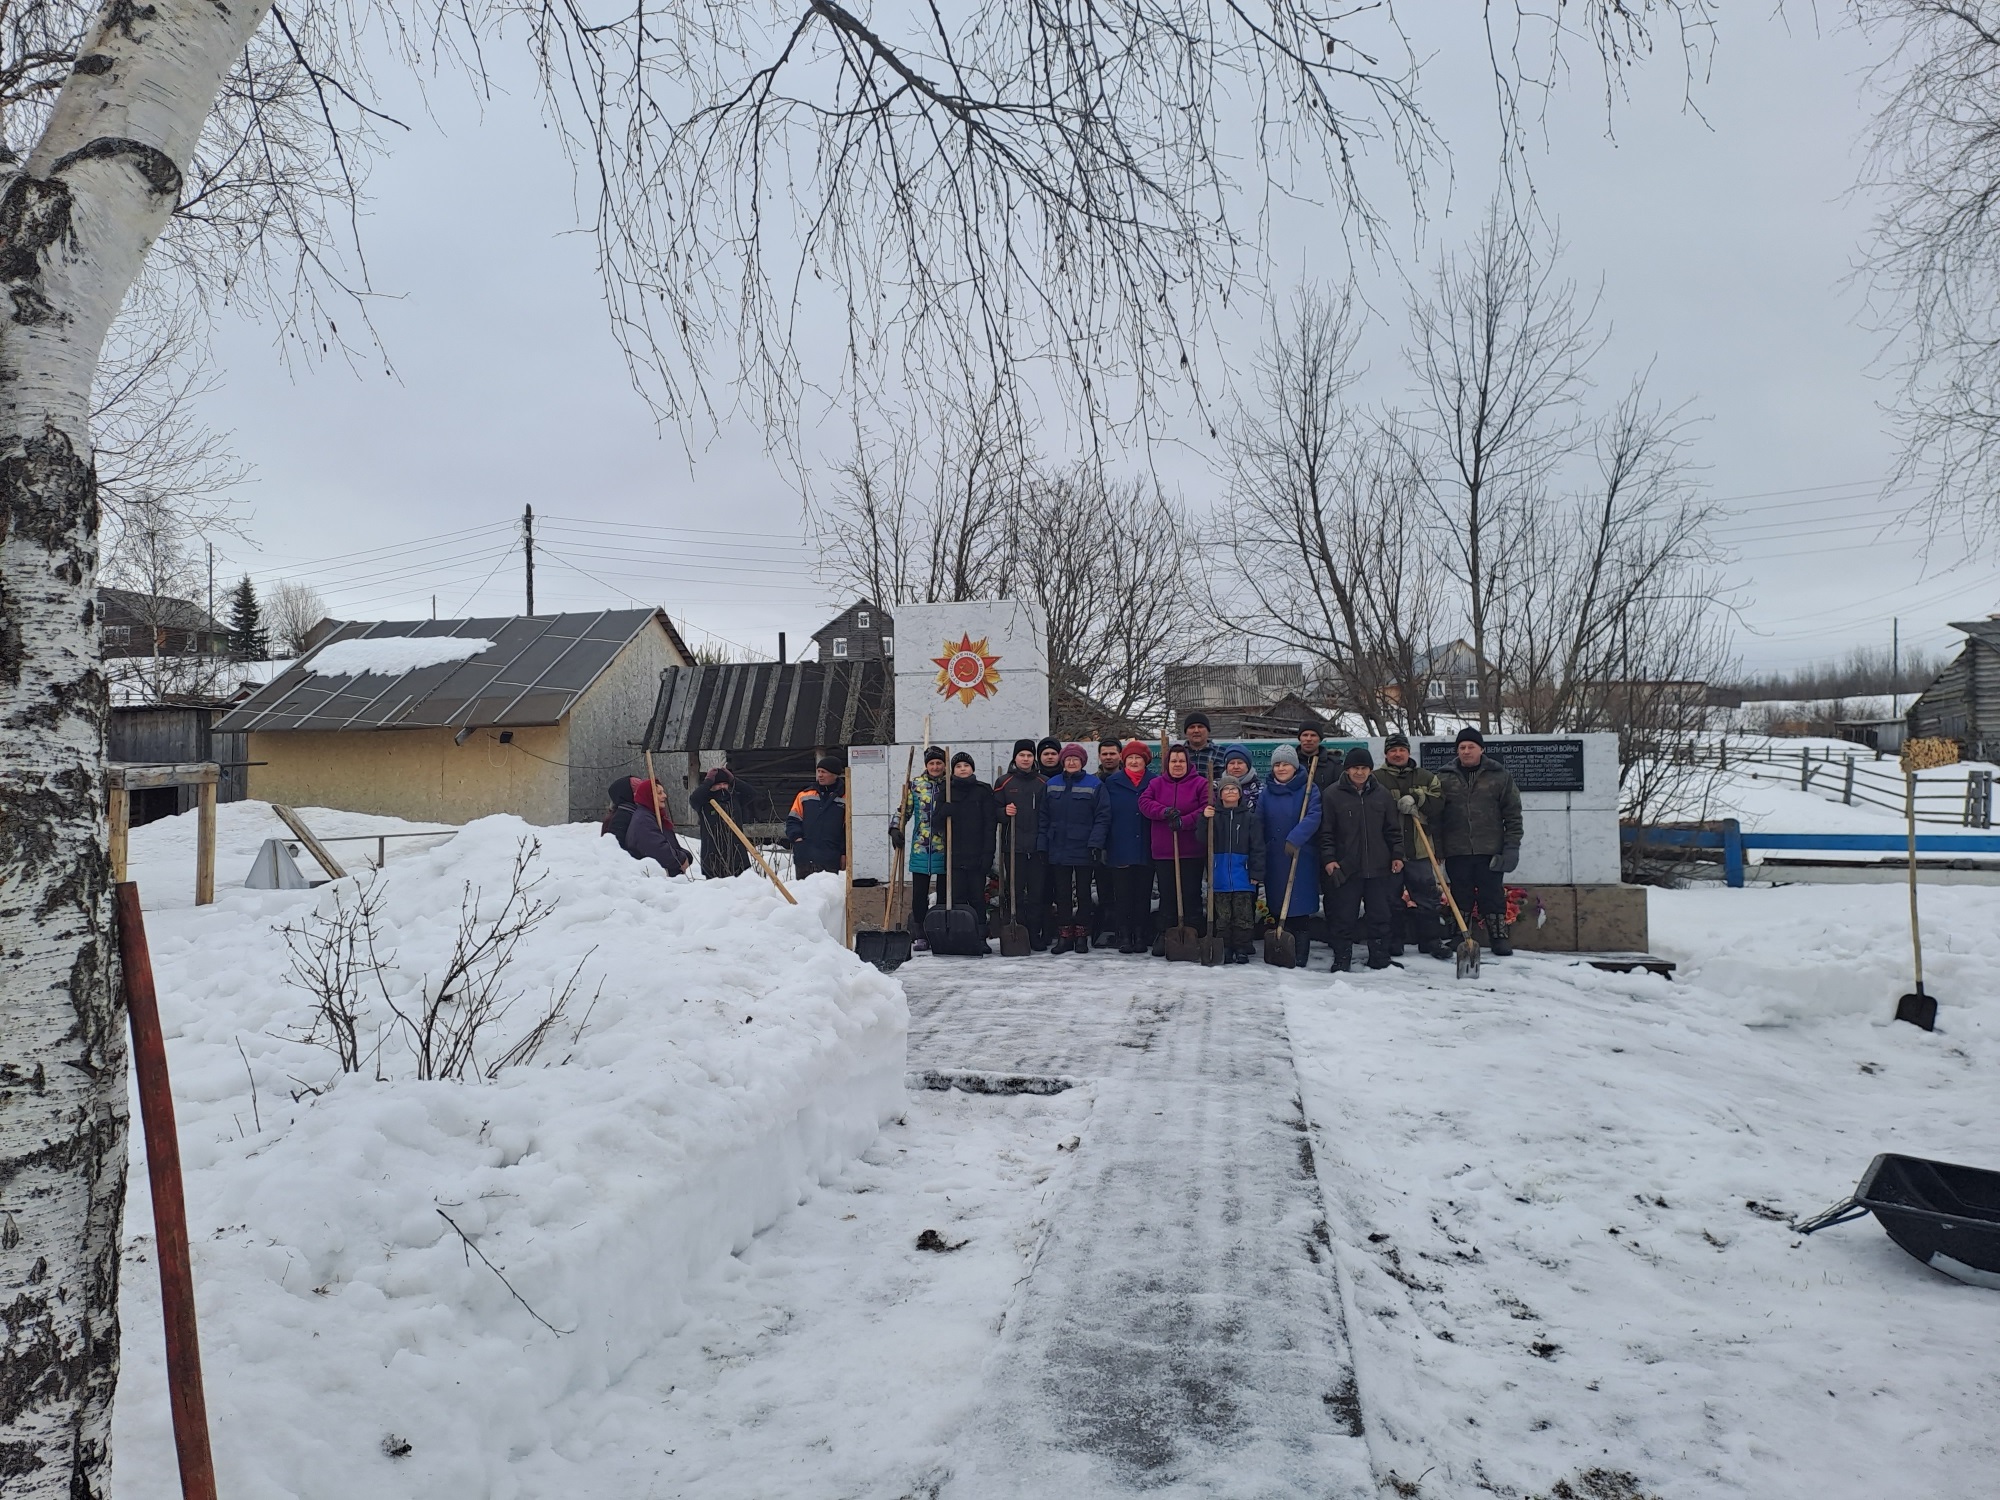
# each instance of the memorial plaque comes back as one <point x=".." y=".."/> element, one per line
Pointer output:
<point x="1537" y="765"/>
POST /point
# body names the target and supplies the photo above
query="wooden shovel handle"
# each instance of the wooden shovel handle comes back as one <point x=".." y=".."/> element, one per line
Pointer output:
<point x="744" y="840"/>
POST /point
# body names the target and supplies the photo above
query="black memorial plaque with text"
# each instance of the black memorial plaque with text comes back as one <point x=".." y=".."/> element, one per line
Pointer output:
<point x="1537" y="765"/>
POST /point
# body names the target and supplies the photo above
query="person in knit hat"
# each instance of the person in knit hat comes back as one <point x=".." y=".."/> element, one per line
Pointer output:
<point x="1018" y="800"/>
<point x="966" y="815"/>
<point x="1479" y="830"/>
<point x="1289" y="811"/>
<point x="1048" y="756"/>
<point x="1361" y="853"/>
<point x="920" y="800"/>
<point x="1236" y="848"/>
<point x="1416" y="907"/>
<point x="1236" y="762"/>
<point x="816" y="826"/>
<point x="1173" y="805"/>
<point x="1128" y="848"/>
<point x="1075" y="827"/>
<point x="1104" y="911"/>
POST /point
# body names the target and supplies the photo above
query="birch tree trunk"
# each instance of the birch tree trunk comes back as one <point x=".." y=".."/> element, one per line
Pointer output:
<point x="76" y="221"/>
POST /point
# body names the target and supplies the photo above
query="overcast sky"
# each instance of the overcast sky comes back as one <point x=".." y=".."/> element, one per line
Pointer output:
<point x="1723" y="243"/>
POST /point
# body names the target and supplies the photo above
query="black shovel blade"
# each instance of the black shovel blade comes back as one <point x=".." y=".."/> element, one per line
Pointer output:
<point x="887" y="951"/>
<point x="1014" y="941"/>
<point x="1467" y="956"/>
<point x="1919" y="1009"/>
<point x="1281" y="949"/>
<point x="1183" y="945"/>
<point x="1211" y="951"/>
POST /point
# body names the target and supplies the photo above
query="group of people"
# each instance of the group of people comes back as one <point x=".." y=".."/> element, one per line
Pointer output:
<point x="1117" y="854"/>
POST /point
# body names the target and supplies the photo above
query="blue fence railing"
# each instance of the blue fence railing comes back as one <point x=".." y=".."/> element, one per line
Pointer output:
<point x="1730" y="838"/>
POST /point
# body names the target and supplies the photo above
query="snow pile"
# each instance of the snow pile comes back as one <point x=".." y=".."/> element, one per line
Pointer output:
<point x="359" y="1341"/>
<point x="392" y="655"/>
<point x="1560" y="1201"/>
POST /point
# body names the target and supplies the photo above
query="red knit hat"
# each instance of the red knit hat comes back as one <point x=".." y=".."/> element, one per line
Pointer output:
<point x="1077" y="750"/>
<point x="1139" y="748"/>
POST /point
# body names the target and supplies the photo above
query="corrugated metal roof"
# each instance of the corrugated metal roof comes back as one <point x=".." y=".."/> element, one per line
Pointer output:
<point x="764" y="706"/>
<point x="533" y="673"/>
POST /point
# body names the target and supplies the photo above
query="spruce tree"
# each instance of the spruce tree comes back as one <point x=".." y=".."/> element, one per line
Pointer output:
<point x="248" y="639"/>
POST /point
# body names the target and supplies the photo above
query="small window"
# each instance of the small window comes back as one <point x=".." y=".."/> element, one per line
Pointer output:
<point x="888" y="645"/>
<point x="1472" y="689"/>
<point x="861" y="619"/>
<point x="1437" y="687"/>
<point x="117" y="635"/>
<point x="840" y="646"/>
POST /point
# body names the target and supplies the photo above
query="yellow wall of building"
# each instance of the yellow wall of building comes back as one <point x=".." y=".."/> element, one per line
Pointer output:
<point x="417" y="774"/>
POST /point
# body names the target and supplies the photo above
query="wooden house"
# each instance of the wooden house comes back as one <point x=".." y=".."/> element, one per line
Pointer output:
<point x="861" y="632"/>
<point x="449" y="720"/>
<point x="1963" y="703"/>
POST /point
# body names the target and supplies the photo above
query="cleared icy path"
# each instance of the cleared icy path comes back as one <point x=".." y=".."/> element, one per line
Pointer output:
<point x="1179" y="1332"/>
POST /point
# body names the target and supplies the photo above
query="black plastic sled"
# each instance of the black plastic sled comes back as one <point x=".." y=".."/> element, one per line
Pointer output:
<point x="956" y="931"/>
<point x="1947" y="1216"/>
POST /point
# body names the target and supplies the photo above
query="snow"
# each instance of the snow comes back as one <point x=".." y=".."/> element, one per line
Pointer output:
<point x="1542" y="1187"/>
<point x="1285" y="1233"/>
<point x="735" y="1058"/>
<point x="392" y="655"/>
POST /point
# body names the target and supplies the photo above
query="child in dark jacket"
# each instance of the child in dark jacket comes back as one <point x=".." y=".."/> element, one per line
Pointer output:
<point x="1075" y="827"/>
<point x="965" y="815"/>
<point x="1236" y="836"/>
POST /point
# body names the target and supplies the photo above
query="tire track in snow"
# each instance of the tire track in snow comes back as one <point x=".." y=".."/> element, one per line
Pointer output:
<point x="1180" y="1332"/>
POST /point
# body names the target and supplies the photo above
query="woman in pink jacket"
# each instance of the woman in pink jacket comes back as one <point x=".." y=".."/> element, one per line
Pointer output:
<point x="1173" y="805"/>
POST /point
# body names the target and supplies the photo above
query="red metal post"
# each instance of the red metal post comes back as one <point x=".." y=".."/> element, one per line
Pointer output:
<point x="163" y="1166"/>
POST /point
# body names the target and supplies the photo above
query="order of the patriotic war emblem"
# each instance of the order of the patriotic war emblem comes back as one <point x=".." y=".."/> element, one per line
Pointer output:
<point x="967" y="670"/>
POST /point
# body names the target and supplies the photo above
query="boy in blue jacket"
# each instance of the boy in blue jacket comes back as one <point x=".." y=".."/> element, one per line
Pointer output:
<point x="1075" y="826"/>
<point x="1236" y="837"/>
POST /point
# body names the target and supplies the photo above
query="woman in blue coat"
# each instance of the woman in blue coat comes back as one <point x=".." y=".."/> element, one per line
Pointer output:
<point x="1074" y="828"/>
<point x="1289" y="808"/>
<point x="1128" y="848"/>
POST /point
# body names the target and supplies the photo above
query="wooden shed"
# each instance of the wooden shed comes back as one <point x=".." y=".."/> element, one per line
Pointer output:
<point x="449" y="720"/>
<point x="1963" y="704"/>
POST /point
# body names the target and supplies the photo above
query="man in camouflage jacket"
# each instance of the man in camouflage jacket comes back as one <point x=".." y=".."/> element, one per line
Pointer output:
<point x="1418" y="794"/>
<point x="1479" y="835"/>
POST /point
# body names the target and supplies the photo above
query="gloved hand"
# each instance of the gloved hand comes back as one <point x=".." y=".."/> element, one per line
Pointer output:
<point x="1507" y="859"/>
<point x="1406" y="804"/>
<point x="896" y="835"/>
<point x="1174" y="819"/>
<point x="1097" y="856"/>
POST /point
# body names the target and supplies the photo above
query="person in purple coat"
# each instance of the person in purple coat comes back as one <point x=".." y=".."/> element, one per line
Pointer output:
<point x="1172" y="805"/>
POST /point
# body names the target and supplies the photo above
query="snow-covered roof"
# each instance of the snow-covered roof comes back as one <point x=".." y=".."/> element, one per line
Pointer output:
<point x="419" y="674"/>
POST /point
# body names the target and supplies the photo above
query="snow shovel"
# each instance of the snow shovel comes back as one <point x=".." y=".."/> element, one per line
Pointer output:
<point x="1183" y="943"/>
<point x="1211" y="940"/>
<point x="1281" y="948"/>
<point x="1467" y="954"/>
<point x="1014" y="941"/>
<point x="1918" y="1008"/>
<point x="888" y="947"/>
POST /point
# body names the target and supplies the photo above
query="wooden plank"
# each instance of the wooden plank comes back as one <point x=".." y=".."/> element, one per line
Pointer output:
<point x="305" y="836"/>
<point x="121" y="828"/>
<point x="204" y="847"/>
<point x="134" y="777"/>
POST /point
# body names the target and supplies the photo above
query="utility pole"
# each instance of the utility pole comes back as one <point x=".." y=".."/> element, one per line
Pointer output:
<point x="211" y="580"/>
<point x="528" y="550"/>
<point x="1895" y="668"/>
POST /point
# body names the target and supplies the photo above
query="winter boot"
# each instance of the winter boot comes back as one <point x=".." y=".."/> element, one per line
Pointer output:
<point x="1343" y="961"/>
<point x="1381" y="958"/>
<point x="1496" y="938"/>
<point x="1080" y="939"/>
<point x="1437" y="947"/>
<point x="1160" y="946"/>
<point x="1063" y="943"/>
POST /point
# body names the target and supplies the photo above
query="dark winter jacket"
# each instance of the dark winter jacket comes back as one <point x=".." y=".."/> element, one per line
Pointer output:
<point x="1237" y="835"/>
<point x="1029" y="794"/>
<point x="619" y="819"/>
<point x="644" y="839"/>
<point x="1480" y="812"/>
<point x="1360" y="829"/>
<point x="1128" y="842"/>
<point x="1175" y="837"/>
<point x="965" y="807"/>
<point x="1290" y="813"/>
<point x="1326" y="772"/>
<point x="1076" y="820"/>
<point x="1421" y="787"/>
<point x="722" y="855"/>
<point x="816" y="829"/>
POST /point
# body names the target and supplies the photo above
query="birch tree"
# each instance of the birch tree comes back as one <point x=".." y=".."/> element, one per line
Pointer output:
<point x="1051" y="186"/>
